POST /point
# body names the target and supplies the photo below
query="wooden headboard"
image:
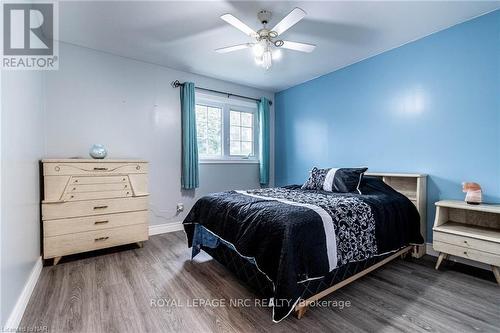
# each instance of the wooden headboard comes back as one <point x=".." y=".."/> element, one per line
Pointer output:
<point x="414" y="187"/>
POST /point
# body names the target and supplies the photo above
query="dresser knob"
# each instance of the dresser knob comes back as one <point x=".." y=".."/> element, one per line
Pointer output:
<point x="138" y="167"/>
<point x="57" y="168"/>
<point x="465" y="241"/>
<point x="465" y="252"/>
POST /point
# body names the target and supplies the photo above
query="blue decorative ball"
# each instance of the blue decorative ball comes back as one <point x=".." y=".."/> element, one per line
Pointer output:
<point x="98" y="151"/>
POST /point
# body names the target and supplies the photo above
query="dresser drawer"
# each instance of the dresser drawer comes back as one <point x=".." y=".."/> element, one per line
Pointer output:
<point x="61" y="210"/>
<point x="93" y="168"/>
<point x="87" y="180"/>
<point x="467" y="242"/>
<point x="465" y="252"/>
<point x="92" y="223"/>
<point x="92" y="240"/>
<point x="63" y="188"/>
<point x="78" y="188"/>
<point x="77" y="196"/>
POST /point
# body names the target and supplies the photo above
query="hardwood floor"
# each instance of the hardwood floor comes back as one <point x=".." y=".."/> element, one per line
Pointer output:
<point x="114" y="292"/>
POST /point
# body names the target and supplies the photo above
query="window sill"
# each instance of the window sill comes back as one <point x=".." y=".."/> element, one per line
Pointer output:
<point x="228" y="161"/>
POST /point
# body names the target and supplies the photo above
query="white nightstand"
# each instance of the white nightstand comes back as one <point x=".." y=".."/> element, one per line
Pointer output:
<point x="468" y="231"/>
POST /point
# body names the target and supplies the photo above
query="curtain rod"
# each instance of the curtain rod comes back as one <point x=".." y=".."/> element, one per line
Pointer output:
<point x="177" y="84"/>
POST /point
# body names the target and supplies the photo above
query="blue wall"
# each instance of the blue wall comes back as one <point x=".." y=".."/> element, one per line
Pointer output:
<point x="431" y="106"/>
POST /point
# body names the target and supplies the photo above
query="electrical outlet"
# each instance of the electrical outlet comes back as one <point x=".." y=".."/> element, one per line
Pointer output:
<point x="180" y="207"/>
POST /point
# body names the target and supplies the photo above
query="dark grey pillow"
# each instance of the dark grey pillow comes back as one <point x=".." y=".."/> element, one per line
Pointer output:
<point x="342" y="180"/>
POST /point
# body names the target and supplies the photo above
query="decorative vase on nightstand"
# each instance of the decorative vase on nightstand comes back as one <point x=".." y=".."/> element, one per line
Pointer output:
<point x="98" y="151"/>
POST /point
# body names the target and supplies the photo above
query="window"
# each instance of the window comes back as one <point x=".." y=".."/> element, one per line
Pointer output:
<point x="209" y="130"/>
<point x="226" y="129"/>
<point x="241" y="134"/>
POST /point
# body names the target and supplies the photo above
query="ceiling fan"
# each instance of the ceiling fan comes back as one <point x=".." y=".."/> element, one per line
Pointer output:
<point x="267" y="43"/>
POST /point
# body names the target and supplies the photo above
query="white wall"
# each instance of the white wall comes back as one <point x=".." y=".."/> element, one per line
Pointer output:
<point x="21" y="148"/>
<point x="130" y="107"/>
<point x="94" y="97"/>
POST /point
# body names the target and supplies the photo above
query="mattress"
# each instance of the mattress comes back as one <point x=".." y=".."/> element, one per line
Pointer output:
<point x="299" y="239"/>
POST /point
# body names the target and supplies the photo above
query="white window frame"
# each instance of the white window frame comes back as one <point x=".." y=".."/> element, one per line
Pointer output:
<point x="228" y="104"/>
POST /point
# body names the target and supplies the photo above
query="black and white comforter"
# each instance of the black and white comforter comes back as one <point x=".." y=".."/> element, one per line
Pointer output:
<point x="295" y="235"/>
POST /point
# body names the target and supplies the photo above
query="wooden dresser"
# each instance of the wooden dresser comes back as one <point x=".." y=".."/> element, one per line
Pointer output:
<point x="468" y="231"/>
<point x="93" y="204"/>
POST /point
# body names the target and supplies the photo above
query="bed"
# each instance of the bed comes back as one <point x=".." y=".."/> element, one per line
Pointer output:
<point x="295" y="246"/>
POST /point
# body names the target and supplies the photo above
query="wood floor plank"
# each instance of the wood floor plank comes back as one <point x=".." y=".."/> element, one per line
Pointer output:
<point x="437" y="300"/>
<point x="77" y="308"/>
<point x="120" y="290"/>
<point x="42" y="307"/>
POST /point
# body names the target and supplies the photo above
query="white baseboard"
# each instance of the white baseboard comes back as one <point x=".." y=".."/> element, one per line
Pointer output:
<point x="430" y="251"/>
<point x="17" y="313"/>
<point x="157" y="229"/>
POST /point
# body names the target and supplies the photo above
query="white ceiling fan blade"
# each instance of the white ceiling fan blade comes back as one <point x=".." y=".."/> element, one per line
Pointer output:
<point x="233" y="48"/>
<point x="302" y="47"/>
<point x="293" y="17"/>
<point x="235" y="22"/>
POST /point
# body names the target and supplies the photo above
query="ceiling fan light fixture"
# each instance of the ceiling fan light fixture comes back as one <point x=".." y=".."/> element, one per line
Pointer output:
<point x="259" y="48"/>
<point x="278" y="43"/>
<point x="267" y="60"/>
<point x="258" y="61"/>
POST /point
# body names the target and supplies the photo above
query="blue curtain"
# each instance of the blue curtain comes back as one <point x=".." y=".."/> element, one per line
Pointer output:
<point x="263" y="106"/>
<point x="190" y="174"/>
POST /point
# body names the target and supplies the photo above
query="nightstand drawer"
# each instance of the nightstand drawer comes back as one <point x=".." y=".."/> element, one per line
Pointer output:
<point x="92" y="223"/>
<point x="61" y="210"/>
<point x="465" y="252"/>
<point x="467" y="242"/>
<point x="93" y="168"/>
<point x="93" y="240"/>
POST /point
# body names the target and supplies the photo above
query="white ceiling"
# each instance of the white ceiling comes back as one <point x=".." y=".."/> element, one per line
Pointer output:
<point x="183" y="35"/>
